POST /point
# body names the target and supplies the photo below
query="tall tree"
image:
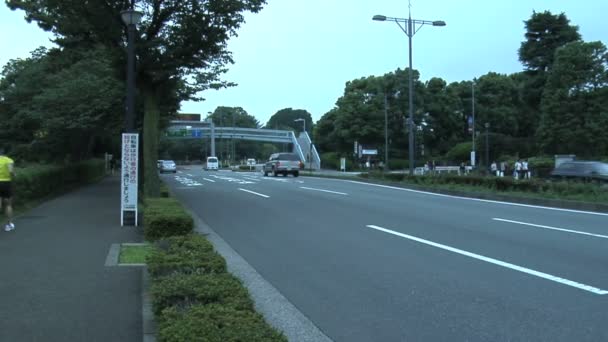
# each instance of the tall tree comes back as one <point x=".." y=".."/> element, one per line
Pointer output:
<point x="181" y="49"/>
<point x="545" y="33"/>
<point x="285" y="119"/>
<point x="575" y="117"/>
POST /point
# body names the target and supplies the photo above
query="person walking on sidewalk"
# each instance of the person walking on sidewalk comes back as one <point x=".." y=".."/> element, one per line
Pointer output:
<point x="6" y="188"/>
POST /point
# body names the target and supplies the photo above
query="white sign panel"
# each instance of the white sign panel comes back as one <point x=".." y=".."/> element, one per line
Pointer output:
<point x="343" y="164"/>
<point x="473" y="158"/>
<point x="370" y="152"/>
<point x="128" y="179"/>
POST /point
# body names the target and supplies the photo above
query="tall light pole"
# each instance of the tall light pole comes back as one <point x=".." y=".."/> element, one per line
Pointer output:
<point x="303" y="121"/>
<point x="411" y="27"/>
<point x="385" y="131"/>
<point x="487" y="145"/>
<point x="130" y="18"/>
<point x="473" y="157"/>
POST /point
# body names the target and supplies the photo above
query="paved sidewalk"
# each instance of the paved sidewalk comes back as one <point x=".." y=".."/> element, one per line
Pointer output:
<point x="53" y="282"/>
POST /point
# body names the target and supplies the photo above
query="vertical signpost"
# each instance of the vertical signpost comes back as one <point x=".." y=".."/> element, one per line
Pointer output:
<point x="128" y="179"/>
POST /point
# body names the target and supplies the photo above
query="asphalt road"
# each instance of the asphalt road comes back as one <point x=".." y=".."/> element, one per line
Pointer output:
<point x="374" y="263"/>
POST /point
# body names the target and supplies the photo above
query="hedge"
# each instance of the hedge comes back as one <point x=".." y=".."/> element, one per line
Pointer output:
<point x="164" y="217"/>
<point x="40" y="181"/>
<point x="184" y="290"/>
<point x="215" y="323"/>
<point x="178" y="255"/>
<point x="502" y="184"/>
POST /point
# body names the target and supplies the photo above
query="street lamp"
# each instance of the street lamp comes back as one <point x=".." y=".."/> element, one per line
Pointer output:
<point x="303" y="121"/>
<point x="487" y="145"/>
<point x="473" y="157"/>
<point x="411" y="27"/>
<point x="130" y="18"/>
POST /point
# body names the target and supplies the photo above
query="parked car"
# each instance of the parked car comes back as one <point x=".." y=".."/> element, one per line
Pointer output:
<point x="212" y="163"/>
<point x="167" y="166"/>
<point x="251" y="162"/>
<point x="283" y="163"/>
<point x="583" y="170"/>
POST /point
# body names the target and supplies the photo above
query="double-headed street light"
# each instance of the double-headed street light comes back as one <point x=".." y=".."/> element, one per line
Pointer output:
<point x="130" y="18"/>
<point x="410" y="28"/>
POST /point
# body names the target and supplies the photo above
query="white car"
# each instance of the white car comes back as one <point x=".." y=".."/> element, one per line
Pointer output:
<point x="250" y="162"/>
<point x="212" y="163"/>
<point x="167" y="166"/>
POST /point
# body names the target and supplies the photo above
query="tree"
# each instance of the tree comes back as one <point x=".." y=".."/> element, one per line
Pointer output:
<point x="545" y="33"/>
<point x="284" y="119"/>
<point x="181" y="49"/>
<point x="60" y="103"/>
<point x="234" y="117"/>
<point x="442" y="125"/>
<point x="574" y="114"/>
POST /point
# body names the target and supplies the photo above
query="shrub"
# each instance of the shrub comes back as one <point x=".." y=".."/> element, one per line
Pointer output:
<point x="39" y="181"/>
<point x="330" y="160"/>
<point x="459" y="153"/>
<point x="189" y="254"/>
<point x="214" y="323"/>
<point x="164" y="217"/>
<point x="164" y="190"/>
<point x="183" y="290"/>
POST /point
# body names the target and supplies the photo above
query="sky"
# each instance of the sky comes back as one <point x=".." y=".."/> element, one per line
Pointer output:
<point x="300" y="53"/>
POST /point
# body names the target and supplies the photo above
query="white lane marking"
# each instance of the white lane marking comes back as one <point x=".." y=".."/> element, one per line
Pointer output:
<point x="552" y="228"/>
<point x="301" y="182"/>
<point x="209" y="180"/>
<point x="496" y="262"/>
<point x="187" y="174"/>
<point x="331" y="192"/>
<point x="179" y="172"/>
<point x="255" y="193"/>
<point x="472" y="199"/>
<point x="184" y="187"/>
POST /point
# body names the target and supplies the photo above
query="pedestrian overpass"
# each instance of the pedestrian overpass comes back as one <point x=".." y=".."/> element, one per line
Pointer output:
<point x="302" y="145"/>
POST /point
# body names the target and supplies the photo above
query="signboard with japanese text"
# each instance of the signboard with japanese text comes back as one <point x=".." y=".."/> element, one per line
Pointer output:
<point x="128" y="179"/>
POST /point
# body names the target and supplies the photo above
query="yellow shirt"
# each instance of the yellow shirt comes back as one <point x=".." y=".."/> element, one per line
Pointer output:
<point x="5" y="174"/>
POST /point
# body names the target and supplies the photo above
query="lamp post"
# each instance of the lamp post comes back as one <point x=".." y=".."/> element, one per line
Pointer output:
<point x="487" y="144"/>
<point x="303" y="121"/>
<point x="385" y="132"/>
<point x="130" y="18"/>
<point x="473" y="122"/>
<point x="411" y="27"/>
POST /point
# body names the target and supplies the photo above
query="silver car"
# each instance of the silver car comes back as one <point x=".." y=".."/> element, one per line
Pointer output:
<point x="283" y="164"/>
<point x="167" y="166"/>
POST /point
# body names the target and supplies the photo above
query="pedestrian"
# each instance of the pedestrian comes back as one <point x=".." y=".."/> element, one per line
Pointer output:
<point x="524" y="169"/>
<point x="517" y="169"/>
<point x="462" y="169"/>
<point x="503" y="168"/>
<point x="494" y="168"/>
<point x="7" y="173"/>
<point x="433" y="167"/>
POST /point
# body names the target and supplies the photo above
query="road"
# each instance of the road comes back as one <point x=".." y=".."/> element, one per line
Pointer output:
<point x="374" y="263"/>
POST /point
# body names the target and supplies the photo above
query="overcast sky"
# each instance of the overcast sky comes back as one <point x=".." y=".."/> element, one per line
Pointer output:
<point x="300" y="53"/>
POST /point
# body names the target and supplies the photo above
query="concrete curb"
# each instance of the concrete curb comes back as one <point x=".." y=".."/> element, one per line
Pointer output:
<point x="147" y="317"/>
<point x="276" y="309"/>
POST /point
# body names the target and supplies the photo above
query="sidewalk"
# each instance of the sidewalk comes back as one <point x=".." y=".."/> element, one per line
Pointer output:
<point x="53" y="282"/>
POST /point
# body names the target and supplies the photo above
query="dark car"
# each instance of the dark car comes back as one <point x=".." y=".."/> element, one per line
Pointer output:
<point x="583" y="170"/>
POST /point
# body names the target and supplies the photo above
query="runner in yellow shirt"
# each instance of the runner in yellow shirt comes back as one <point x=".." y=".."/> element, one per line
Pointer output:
<point x="6" y="188"/>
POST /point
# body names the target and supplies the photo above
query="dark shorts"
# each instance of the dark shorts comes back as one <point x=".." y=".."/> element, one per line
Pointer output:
<point x="6" y="189"/>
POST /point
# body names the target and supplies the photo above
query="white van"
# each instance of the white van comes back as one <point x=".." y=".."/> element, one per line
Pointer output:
<point x="212" y="163"/>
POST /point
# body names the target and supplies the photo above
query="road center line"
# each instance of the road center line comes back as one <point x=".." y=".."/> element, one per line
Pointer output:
<point x="552" y="228"/>
<point x="255" y="193"/>
<point x="547" y="276"/>
<point x="331" y="192"/>
<point x="209" y="180"/>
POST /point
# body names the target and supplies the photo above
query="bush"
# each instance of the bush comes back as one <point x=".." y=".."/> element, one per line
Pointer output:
<point x="164" y="217"/>
<point x="183" y="290"/>
<point x="164" y="190"/>
<point x="330" y="160"/>
<point x="190" y="254"/>
<point x="459" y="153"/>
<point x="214" y="323"/>
<point x="39" y="181"/>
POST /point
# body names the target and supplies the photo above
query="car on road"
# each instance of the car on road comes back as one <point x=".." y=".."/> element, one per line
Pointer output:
<point x="250" y="162"/>
<point x="212" y="163"/>
<point x="282" y="164"/>
<point x="583" y="170"/>
<point x="167" y="166"/>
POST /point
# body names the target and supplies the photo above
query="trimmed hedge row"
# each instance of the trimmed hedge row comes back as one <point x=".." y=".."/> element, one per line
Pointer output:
<point x="500" y="184"/>
<point x="194" y="298"/>
<point x="40" y="181"/>
<point x="165" y="217"/>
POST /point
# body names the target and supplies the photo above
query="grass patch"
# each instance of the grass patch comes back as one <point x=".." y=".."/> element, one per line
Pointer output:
<point x="134" y="254"/>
